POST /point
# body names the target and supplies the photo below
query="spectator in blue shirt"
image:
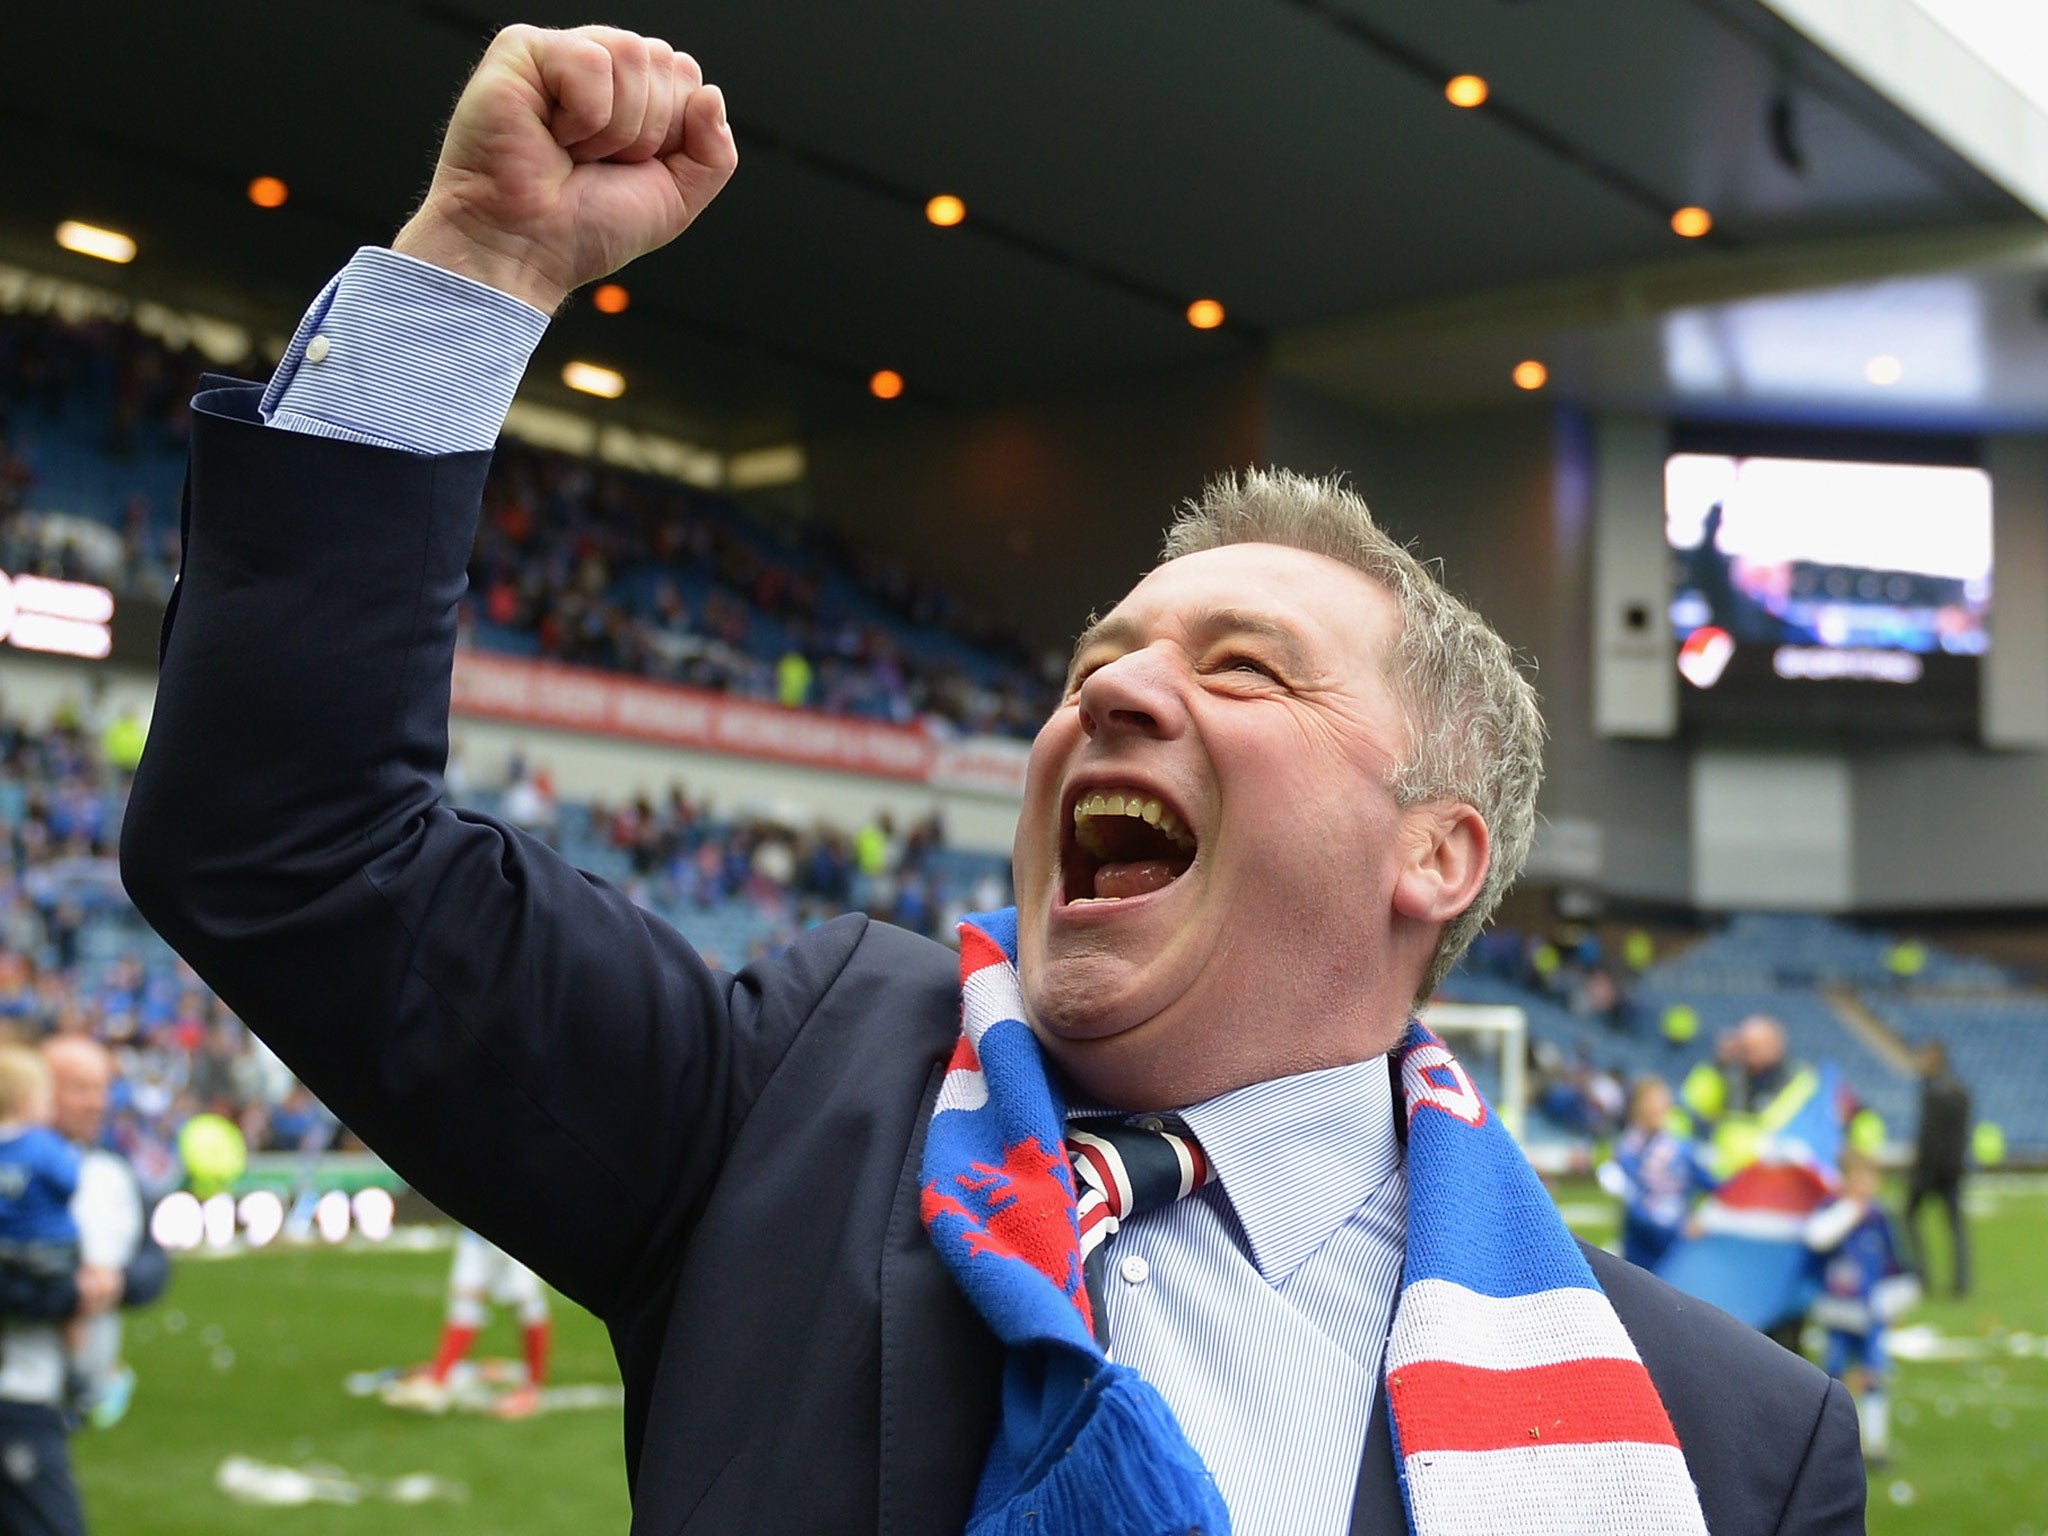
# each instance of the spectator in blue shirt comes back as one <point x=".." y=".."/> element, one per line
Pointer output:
<point x="38" y="1171"/>
<point x="1865" y="1287"/>
<point x="1655" y="1173"/>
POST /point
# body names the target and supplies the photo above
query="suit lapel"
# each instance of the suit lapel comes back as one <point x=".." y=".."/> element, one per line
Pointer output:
<point x="941" y="1370"/>
<point x="1376" y="1510"/>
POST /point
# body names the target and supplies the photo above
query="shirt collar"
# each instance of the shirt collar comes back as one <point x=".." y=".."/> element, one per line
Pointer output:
<point x="1299" y="1155"/>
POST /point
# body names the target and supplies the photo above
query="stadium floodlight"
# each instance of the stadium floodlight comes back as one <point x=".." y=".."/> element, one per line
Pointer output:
<point x="590" y="379"/>
<point x="91" y="240"/>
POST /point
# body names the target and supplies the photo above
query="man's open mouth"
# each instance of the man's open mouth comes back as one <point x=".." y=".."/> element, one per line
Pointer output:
<point x="1123" y="842"/>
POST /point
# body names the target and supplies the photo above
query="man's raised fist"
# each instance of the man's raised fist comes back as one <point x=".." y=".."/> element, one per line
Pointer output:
<point x="569" y="154"/>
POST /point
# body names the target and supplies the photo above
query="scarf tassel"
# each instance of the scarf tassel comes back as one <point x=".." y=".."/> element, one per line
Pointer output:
<point x="1115" y="1465"/>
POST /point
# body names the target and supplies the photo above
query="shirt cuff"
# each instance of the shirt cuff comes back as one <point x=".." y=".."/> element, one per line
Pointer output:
<point x="400" y="353"/>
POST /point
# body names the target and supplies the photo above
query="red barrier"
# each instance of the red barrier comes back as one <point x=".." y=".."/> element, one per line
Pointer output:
<point x="547" y="693"/>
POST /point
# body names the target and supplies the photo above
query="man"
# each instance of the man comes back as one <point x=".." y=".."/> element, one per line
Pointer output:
<point x="122" y="1267"/>
<point x="1762" y="1089"/>
<point x="1940" y="1159"/>
<point x="113" y="1225"/>
<point x="1288" y="780"/>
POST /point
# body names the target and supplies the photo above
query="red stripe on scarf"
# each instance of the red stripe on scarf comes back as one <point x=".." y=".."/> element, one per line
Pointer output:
<point x="978" y="952"/>
<point x="1442" y="1406"/>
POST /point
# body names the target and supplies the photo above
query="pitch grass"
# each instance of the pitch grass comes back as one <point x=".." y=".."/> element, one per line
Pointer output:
<point x="247" y="1356"/>
<point x="1970" y="1437"/>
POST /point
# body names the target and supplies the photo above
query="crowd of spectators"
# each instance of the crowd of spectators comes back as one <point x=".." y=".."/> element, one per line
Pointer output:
<point x="606" y="568"/>
<point x="670" y="855"/>
<point x="75" y="959"/>
<point x="179" y="1050"/>
<point x="575" y="560"/>
<point x="135" y="392"/>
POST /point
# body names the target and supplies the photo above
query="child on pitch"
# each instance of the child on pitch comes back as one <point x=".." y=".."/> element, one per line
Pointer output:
<point x="1655" y="1173"/>
<point x="1864" y="1288"/>
<point x="481" y="1274"/>
<point x="38" y="1177"/>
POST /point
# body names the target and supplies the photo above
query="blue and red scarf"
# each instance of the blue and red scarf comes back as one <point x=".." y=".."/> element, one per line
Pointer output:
<point x="1517" y="1399"/>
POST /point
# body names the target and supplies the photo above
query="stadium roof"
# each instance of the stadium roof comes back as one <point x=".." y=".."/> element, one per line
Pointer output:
<point x="1294" y="159"/>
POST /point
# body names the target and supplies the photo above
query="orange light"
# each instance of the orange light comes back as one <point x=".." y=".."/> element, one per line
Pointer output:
<point x="1205" y="314"/>
<point x="268" y="192"/>
<point x="1465" y="90"/>
<point x="610" y="298"/>
<point x="886" y="384"/>
<point x="1530" y="374"/>
<point x="1692" y="222"/>
<point x="945" y="210"/>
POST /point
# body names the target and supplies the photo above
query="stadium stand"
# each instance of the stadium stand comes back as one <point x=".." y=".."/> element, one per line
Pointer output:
<point x="575" y="560"/>
<point x="1798" y="969"/>
<point x="1996" y="1044"/>
<point x="76" y="957"/>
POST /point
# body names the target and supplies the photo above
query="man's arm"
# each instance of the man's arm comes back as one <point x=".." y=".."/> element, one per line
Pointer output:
<point x="37" y="1298"/>
<point x="536" y="1054"/>
<point x="1828" y="1494"/>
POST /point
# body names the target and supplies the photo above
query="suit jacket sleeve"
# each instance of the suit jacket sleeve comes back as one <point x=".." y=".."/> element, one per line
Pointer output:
<point x="543" y="1060"/>
<point x="1828" y="1494"/>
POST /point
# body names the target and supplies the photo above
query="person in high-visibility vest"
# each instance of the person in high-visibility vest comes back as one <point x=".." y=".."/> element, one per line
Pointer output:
<point x="1703" y="1094"/>
<point x="1765" y="1090"/>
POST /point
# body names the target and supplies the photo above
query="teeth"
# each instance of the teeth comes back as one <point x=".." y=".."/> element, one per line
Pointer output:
<point x="1139" y="807"/>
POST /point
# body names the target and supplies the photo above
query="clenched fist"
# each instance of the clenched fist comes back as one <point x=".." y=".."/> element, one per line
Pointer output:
<point x="569" y="154"/>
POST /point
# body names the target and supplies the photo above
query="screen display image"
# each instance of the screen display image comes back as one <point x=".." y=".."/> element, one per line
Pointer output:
<point x="1829" y="594"/>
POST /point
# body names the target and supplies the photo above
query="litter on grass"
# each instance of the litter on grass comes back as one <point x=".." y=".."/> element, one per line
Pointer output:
<point x="476" y="1386"/>
<point x="249" y="1481"/>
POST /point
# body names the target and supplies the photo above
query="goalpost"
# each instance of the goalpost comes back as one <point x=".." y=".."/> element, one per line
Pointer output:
<point x="1491" y="1039"/>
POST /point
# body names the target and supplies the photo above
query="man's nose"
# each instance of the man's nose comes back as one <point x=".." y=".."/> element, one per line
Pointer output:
<point x="1137" y="692"/>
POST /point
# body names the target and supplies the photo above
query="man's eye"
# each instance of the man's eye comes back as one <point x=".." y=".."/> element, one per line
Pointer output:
<point x="1250" y="664"/>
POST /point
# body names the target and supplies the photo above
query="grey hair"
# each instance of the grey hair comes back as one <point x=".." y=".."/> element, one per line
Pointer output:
<point x="1475" y="734"/>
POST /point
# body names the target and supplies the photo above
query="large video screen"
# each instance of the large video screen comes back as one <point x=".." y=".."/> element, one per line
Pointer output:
<point x="1826" y="594"/>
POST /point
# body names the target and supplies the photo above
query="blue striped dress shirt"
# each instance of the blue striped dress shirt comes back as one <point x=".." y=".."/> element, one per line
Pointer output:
<point x="404" y="354"/>
<point x="1258" y="1307"/>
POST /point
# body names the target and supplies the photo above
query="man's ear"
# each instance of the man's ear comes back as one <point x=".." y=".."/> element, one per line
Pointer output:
<point x="1448" y="852"/>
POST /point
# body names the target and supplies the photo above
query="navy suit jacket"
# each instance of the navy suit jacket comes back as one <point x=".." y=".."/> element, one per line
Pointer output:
<point x="721" y="1167"/>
